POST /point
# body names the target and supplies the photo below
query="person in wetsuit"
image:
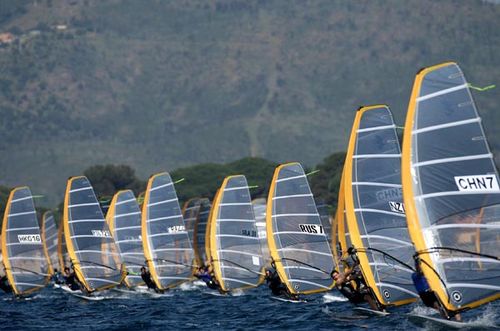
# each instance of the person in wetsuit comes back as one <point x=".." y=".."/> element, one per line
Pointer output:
<point x="203" y="274"/>
<point x="274" y="282"/>
<point x="71" y="280"/>
<point x="428" y="296"/>
<point x="352" y="283"/>
<point x="146" y="277"/>
<point x="4" y="284"/>
<point x="57" y="277"/>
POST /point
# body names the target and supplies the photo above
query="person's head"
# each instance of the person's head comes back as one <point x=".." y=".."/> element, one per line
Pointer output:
<point x="273" y="265"/>
<point x="66" y="270"/>
<point x="55" y="270"/>
<point x="351" y="251"/>
<point x="143" y="269"/>
<point x="268" y="273"/>
<point x="334" y="274"/>
<point x="418" y="268"/>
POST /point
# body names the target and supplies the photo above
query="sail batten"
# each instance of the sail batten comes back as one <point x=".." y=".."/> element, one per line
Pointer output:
<point x="162" y="230"/>
<point x="235" y="248"/>
<point x="451" y="189"/>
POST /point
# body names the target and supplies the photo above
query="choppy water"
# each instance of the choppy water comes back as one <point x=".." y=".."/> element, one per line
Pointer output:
<point x="193" y="307"/>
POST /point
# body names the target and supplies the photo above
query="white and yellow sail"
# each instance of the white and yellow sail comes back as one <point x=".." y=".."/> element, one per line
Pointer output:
<point x="236" y="252"/>
<point x="91" y="247"/>
<point x="451" y="190"/>
<point x="167" y="248"/>
<point x="295" y="236"/>
<point x="374" y="208"/>
<point x="24" y="259"/>
<point x="124" y="220"/>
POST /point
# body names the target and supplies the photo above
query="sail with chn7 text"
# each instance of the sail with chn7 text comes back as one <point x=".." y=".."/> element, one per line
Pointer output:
<point x="235" y="246"/>
<point x="24" y="259"/>
<point x="451" y="190"/>
<point x="297" y="242"/>
<point x="92" y="250"/>
<point x="374" y="206"/>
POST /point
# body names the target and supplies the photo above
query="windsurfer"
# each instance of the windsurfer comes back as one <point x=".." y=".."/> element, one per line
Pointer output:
<point x="71" y="280"/>
<point x="428" y="296"/>
<point x="57" y="277"/>
<point x="352" y="283"/>
<point x="4" y="284"/>
<point x="276" y="285"/>
<point x="146" y="277"/>
<point x="204" y="274"/>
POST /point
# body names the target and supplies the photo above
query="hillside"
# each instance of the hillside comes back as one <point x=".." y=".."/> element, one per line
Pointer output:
<point x="162" y="85"/>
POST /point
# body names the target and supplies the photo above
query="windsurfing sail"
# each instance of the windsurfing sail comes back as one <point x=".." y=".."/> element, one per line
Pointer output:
<point x="91" y="247"/>
<point x="324" y="215"/>
<point x="374" y="206"/>
<point x="295" y="235"/>
<point x="259" y="210"/>
<point x="62" y="251"/>
<point x="234" y="242"/>
<point x="199" y="232"/>
<point x="166" y="242"/>
<point x="208" y="251"/>
<point x="190" y="213"/>
<point x="26" y="265"/>
<point x="49" y="240"/>
<point x="451" y="190"/>
<point x="124" y="220"/>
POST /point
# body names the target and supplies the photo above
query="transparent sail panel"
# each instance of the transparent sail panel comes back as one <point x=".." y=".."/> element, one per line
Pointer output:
<point x="168" y="240"/>
<point x="301" y="241"/>
<point x="98" y="257"/>
<point x="127" y="234"/>
<point x="62" y="250"/>
<point x="237" y="248"/>
<point x="379" y="208"/>
<point x="259" y="210"/>
<point x="29" y="267"/>
<point x="190" y="214"/>
<point x="456" y="187"/>
<point x="50" y="236"/>
<point x="200" y="229"/>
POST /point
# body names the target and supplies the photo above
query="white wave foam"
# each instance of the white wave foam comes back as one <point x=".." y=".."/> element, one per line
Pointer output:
<point x="327" y="298"/>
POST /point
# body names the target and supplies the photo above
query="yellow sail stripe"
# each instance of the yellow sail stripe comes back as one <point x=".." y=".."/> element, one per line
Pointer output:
<point x="5" y="252"/>
<point x="208" y="252"/>
<point x="60" y="253"/>
<point x="414" y="226"/>
<point x="212" y="231"/>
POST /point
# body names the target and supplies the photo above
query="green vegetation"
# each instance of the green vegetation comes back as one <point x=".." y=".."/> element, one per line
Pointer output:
<point x="171" y="84"/>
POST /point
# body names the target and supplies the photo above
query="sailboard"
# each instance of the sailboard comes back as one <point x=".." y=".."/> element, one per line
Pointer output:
<point x="451" y="190"/>
<point x="124" y="220"/>
<point x="374" y="206"/>
<point x="49" y="240"/>
<point x="93" y="252"/>
<point x="24" y="259"/>
<point x="167" y="248"/>
<point x="440" y="323"/>
<point x="234" y="243"/>
<point x="200" y="231"/>
<point x="295" y="235"/>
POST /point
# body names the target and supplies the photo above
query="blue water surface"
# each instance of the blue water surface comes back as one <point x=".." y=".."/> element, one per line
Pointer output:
<point x="193" y="307"/>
